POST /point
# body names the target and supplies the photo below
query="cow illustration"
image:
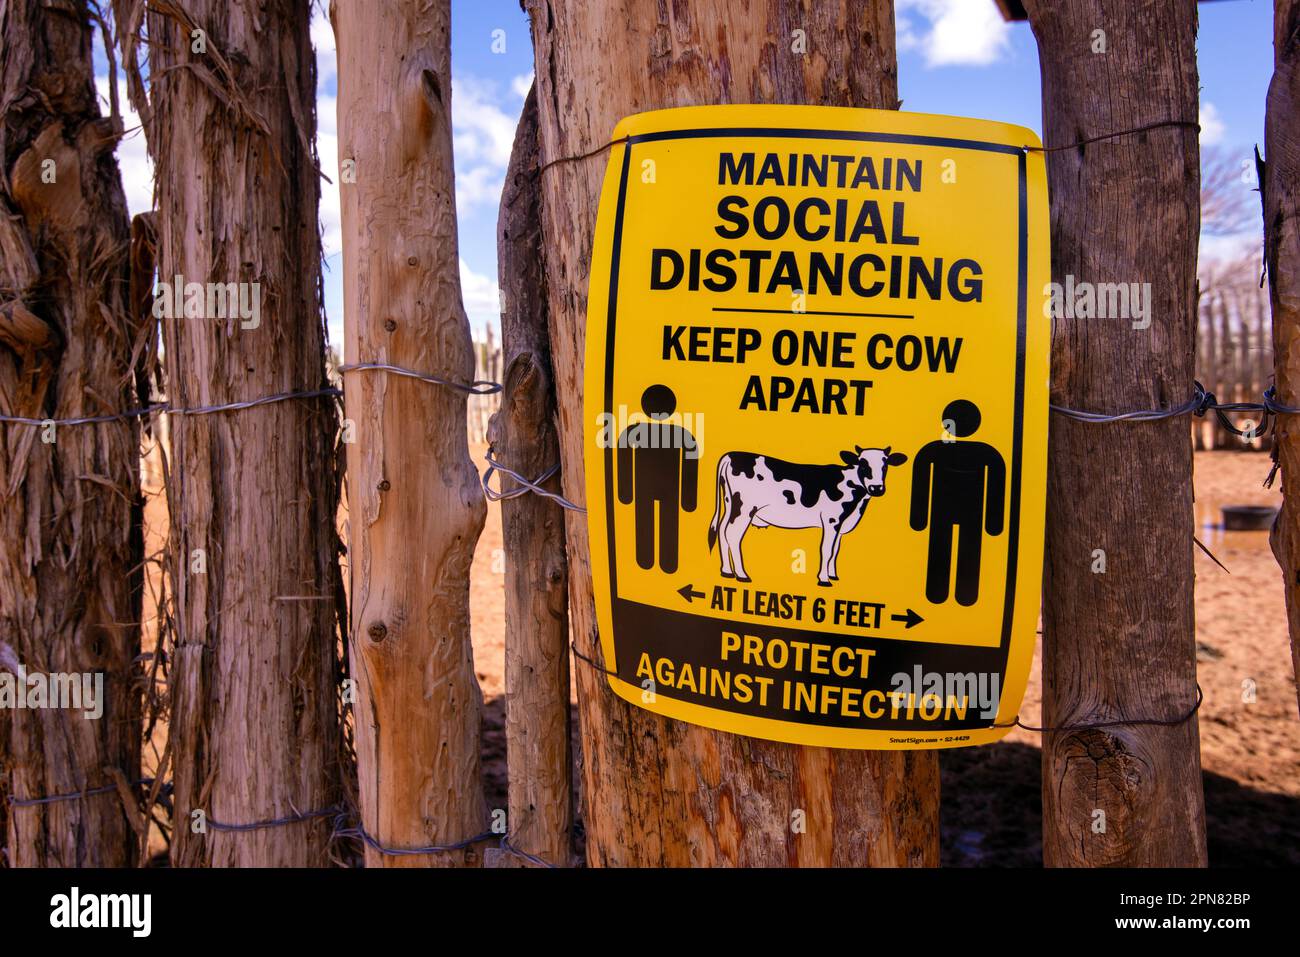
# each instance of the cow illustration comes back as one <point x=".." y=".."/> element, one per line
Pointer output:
<point x="759" y="490"/>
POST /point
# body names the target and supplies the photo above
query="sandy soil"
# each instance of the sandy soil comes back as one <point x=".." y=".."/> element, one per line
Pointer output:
<point x="991" y="807"/>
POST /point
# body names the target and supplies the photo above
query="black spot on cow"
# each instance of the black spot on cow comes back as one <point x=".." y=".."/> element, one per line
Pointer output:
<point x="789" y="496"/>
<point x="855" y="498"/>
<point x="812" y="480"/>
<point x="735" y="507"/>
<point x="743" y="463"/>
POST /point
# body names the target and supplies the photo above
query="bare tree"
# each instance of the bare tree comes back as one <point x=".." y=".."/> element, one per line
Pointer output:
<point x="1227" y="200"/>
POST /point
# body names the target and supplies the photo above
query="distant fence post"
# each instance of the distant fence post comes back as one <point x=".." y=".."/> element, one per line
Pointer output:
<point x="1118" y="631"/>
<point x="1281" y="194"/>
<point x="1234" y="358"/>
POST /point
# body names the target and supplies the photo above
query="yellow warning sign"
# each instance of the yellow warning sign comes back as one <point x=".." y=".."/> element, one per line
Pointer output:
<point x="816" y="396"/>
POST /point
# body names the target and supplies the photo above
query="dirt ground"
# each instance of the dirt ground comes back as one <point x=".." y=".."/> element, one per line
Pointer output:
<point x="991" y="804"/>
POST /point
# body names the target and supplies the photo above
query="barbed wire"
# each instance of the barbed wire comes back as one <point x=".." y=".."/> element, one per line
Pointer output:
<point x="168" y="409"/>
<point x="295" y="818"/>
<point x="1118" y="722"/>
<point x="1201" y="402"/>
<point x="1159" y="124"/>
<point x="354" y="830"/>
<point x="71" y="795"/>
<point x="346" y="825"/>
<point x="476" y="387"/>
<point x="1189" y="124"/>
<point x="525" y="484"/>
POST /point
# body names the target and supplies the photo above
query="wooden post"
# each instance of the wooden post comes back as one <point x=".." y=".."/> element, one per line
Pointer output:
<point x="416" y="506"/>
<point x="1121" y="643"/>
<point x="1209" y="426"/>
<point x="70" y="533"/>
<point x="1281" y="196"/>
<point x="253" y="494"/>
<point x="1223" y="389"/>
<point x="656" y="791"/>
<point x="523" y="438"/>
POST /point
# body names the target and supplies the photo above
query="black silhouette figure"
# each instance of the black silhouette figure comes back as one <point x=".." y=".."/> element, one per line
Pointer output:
<point x="658" y="464"/>
<point x="957" y="486"/>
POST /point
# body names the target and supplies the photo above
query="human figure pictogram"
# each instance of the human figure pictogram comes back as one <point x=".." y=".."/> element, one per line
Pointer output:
<point x="658" y="465"/>
<point x="957" y="486"/>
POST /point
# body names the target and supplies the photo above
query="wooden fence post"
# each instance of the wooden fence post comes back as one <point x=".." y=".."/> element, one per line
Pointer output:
<point x="523" y="436"/>
<point x="657" y="791"/>
<point x="1121" y="643"/>
<point x="1281" y="195"/>
<point x="415" y="504"/>
<point x="253" y="494"/>
<point x="70" y="534"/>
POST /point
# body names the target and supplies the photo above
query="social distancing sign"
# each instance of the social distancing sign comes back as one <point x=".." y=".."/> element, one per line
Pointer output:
<point x="816" y="406"/>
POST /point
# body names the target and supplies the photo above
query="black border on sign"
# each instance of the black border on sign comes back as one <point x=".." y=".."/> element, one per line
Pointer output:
<point x="1017" y="439"/>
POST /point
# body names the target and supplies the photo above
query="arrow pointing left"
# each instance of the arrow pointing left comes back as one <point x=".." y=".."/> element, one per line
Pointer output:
<point x="690" y="594"/>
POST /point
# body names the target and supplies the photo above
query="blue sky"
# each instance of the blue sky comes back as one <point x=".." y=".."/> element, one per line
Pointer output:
<point x="955" y="57"/>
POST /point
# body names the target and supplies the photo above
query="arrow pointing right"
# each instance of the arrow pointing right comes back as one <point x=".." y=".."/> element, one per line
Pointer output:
<point x="912" y="618"/>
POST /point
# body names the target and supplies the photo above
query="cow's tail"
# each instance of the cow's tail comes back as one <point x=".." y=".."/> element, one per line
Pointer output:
<point x="717" y="504"/>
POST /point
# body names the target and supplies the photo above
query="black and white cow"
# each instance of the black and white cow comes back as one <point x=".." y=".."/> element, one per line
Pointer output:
<point x="759" y="490"/>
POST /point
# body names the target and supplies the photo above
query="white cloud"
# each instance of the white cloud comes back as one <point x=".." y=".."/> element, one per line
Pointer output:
<point x="1212" y="126"/>
<point x="481" y="296"/>
<point x="483" y="132"/>
<point x="132" y="153"/>
<point x="522" y="83"/>
<point x="327" y="146"/>
<point x="953" y="32"/>
<point x="322" y="38"/>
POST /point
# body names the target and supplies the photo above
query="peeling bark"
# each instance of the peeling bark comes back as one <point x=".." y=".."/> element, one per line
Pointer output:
<point x="1121" y="644"/>
<point x="253" y="494"/>
<point x="70" y="535"/>
<point x="415" y="504"/>
<point x="656" y="791"/>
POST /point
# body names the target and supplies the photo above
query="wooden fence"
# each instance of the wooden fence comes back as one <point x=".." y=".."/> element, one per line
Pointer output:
<point x="1234" y="358"/>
